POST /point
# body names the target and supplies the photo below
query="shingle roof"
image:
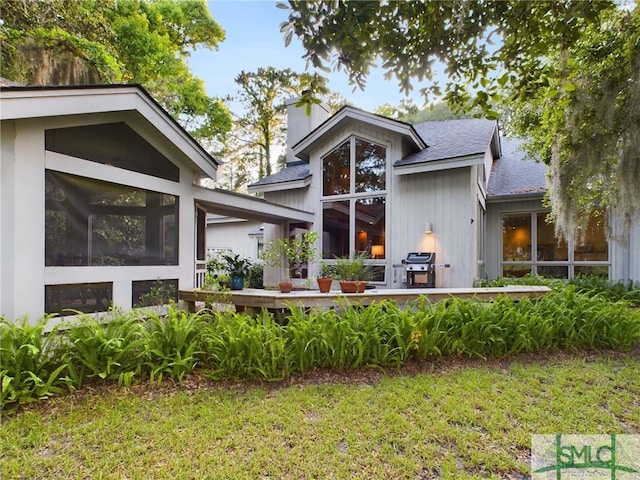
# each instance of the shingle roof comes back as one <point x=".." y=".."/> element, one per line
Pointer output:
<point x="294" y="171"/>
<point x="514" y="174"/>
<point x="451" y="139"/>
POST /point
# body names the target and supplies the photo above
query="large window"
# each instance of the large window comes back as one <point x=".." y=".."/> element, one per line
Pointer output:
<point x="114" y="144"/>
<point x="354" y="201"/>
<point x="529" y="246"/>
<point x="91" y="222"/>
<point x="79" y="297"/>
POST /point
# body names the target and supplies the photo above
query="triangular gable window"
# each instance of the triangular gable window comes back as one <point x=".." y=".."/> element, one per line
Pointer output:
<point x="113" y="144"/>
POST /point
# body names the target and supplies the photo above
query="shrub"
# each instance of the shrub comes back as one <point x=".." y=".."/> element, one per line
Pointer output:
<point x="34" y="364"/>
<point x="612" y="290"/>
<point x="31" y="367"/>
<point x="104" y="349"/>
<point x="256" y="274"/>
<point x="171" y="344"/>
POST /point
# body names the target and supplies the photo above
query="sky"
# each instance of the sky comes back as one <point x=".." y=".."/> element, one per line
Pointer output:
<point x="253" y="40"/>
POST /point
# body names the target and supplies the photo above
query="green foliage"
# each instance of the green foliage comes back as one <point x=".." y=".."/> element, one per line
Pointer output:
<point x="585" y="123"/>
<point x="171" y="344"/>
<point x="410" y="37"/>
<point x="216" y="282"/>
<point x="239" y="346"/>
<point x="569" y="74"/>
<point x="256" y="274"/>
<point x="613" y="291"/>
<point x="261" y="129"/>
<point x="31" y="367"/>
<point x="356" y="267"/>
<point x="295" y="251"/>
<point x="230" y="263"/>
<point x="160" y="293"/>
<point x="247" y="347"/>
<point x="60" y="42"/>
<point x="104" y="349"/>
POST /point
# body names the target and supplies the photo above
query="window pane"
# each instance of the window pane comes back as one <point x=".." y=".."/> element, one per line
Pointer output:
<point x="114" y="144"/>
<point x="516" y="271"/>
<point x="84" y="297"/>
<point x="336" y="171"/>
<point x="553" y="271"/>
<point x="516" y="238"/>
<point x="370" y="166"/>
<point x="378" y="273"/>
<point x="335" y="229"/>
<point x="90" y="222"/>
<point x="147" y="293"/>
<point x="549" y="248"/>
<point x="598" y="270"/>
<point x="594" y="245"/>
<point x="370" y="226"/>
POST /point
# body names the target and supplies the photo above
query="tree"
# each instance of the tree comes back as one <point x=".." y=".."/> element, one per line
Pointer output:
<point x="261" y="127"/>
<point x="545" y="54"/>
<point x="585" y="124"/>
<point x="72" y="42"/>
<point x="409" y="112"/>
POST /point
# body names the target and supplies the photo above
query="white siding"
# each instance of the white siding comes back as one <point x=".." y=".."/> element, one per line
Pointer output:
<point x="444" y="199"/>
<point x="23" y="272"/>
<point x="234" y="235"/>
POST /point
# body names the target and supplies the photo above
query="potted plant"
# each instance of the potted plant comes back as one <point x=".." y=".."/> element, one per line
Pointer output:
<point x="291" y="253"/>
<point x="353" y="273"/>
<point x="325" y="277"/>
<point x="234" y="265"/>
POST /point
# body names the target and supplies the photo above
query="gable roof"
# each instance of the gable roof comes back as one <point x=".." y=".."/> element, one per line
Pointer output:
<point x="20" y="102"/>
<point x="349" y="114"/>
<point x="451" y="139"/>
<point x="513" y="174"/>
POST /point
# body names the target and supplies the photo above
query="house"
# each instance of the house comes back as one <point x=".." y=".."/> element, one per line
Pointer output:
<point x="455" y="188"/>
<point x="101" y="198"/>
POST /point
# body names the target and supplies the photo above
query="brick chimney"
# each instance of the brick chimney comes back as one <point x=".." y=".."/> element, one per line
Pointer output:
<point x="299" y="124"/>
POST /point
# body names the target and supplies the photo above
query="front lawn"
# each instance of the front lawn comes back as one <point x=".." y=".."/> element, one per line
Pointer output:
<point x="446" y="418"/>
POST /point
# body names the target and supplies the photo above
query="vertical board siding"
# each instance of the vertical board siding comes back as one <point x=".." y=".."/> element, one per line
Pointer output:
<point x="442" y="198"/>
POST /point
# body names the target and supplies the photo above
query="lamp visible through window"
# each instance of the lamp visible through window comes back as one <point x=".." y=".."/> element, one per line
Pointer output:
<point x="377" y="251"/>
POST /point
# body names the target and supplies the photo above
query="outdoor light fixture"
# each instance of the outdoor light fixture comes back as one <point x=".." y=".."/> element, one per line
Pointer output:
<point x="377" y="251"/>
<point x="428" y="228"/>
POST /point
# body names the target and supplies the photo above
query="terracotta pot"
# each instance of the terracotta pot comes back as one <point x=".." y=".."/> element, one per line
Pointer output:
<point x="324" y="284"/>
<point x="348" y="286"/>
<point x="285" y="287"/>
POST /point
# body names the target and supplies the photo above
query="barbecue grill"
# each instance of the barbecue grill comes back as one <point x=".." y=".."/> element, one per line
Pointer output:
<point x="420" y="269"/>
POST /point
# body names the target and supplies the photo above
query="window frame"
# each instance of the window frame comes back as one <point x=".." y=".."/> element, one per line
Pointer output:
<point x="534" y="263"/>
<point x="353" y="196"/>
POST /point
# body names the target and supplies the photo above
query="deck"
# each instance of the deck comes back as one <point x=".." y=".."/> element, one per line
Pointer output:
<point x="256" y="299"/>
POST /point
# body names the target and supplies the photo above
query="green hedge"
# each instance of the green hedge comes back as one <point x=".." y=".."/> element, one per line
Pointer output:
<point x="35" y="365"/>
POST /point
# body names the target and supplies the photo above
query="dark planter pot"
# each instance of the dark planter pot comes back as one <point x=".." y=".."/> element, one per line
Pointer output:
<point x="237" y="283"/>
<point x="324" y="284"/>
<point x="285" y="287"/>
<point x="348" y="286"/>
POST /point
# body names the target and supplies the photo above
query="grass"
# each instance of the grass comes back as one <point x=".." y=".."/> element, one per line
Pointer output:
<point x="451" y="418"/>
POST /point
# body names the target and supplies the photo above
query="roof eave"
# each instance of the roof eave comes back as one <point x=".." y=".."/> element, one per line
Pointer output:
<point x="437" y="165"/>
<point x="303" y="147"/>
<point x="105" y="98"/>
<point x="510" y="197"/>
<point x="280" y="186"/>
